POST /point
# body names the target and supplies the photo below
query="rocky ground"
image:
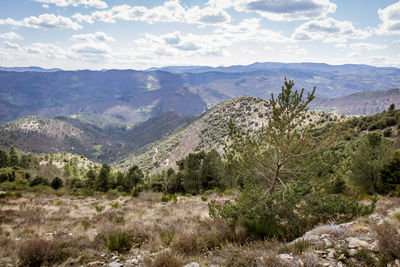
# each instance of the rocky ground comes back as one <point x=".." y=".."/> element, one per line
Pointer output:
<point x="63" y="229"/>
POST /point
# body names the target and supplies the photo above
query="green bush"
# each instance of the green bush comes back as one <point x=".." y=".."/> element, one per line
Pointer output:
<point x="7" y="175"/>
<point x="390" y="175"/>
<point x="119" y="241"/>
<point x="38" y="181"/>
<point x="56" y="183"/>
<point x="286" y="214"/>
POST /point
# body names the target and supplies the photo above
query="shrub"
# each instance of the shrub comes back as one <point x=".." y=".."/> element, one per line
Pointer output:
<point x="99" y="208"/>
<point x="119" y="241"/>
<point x="56" y="183"/>
<point x="38" y="181"/>
<point x="7" y="174"/>
<point x="387" y="132"/>
<point x="165" y="259"/>
<point x="288" y="214"/>
<point x="389" y="238"/>
<point x="188" y="244"/>
<point x="35" y="252"/>
<point x="166" y="236"/>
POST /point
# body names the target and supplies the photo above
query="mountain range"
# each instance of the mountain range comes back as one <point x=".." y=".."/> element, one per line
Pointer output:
<point x="135" y="96"/>
<point x="154" y="117"/>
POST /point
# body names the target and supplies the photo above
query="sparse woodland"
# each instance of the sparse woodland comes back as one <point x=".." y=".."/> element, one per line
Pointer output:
<point x="303" y="189"/>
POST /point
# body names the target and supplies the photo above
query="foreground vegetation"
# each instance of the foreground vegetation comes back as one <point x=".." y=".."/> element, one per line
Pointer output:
<point x="279" y="183"/>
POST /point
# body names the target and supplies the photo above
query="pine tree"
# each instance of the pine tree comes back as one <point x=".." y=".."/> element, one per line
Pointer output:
<point x="133" y="177"/>
<point x="14" y="158"/>
<point x="102" y="181"/>
<point x="263" y="158"/>
<point x="4" y="160"/>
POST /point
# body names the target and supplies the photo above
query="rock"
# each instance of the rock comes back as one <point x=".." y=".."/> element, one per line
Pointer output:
<point x="134" y="261"/>
<point x="192" y="264"/>
<point x="374" y="246"/>
<point x="357" y="243"/>
<point x="352" y="252"/>
<point x="328" y="243"/>
<point x="128" y="264"/>
<point x="285" y="257"/>
<point x="95" y="263"/>
<point x="339" y="264"/>
<point x="113" y="258"/>
<point x="341" y="257"/>
<point x="326" y="264"/>
<point x="331" y="255"/>
<point x="320" y="252"/>
<point x="115" y="264"/>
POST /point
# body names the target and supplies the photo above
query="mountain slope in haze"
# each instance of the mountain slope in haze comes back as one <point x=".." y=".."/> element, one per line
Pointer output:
<point x="210" y="131"/>
<point x="363" y="103"/>
<point x="134" y="96"/>
<point x="24" y="69"/>
<point x="40" y="135"/>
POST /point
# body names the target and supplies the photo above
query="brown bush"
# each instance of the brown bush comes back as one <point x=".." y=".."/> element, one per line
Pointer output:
<point x="388" y="237"/>
<point x="164" y="259"/>
<point x="188" y="244"/>
<point x="34" y="252"/>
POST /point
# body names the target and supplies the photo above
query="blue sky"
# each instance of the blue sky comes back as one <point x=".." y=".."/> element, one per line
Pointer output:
<point x="137" y="34"/>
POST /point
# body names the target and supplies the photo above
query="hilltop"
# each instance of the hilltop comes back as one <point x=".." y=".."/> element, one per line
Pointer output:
<point x="100" y="138"/>
<point x="210" y="131"/>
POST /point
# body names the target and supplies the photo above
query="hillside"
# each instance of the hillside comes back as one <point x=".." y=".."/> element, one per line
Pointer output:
<point x="210" y="131"/>
<point x="99" y="138"/>
<point x="363" y="103"/>
<point x="134" y="96"/>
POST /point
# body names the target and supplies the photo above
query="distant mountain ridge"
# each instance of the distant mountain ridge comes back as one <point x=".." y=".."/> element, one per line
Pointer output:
<point x="32" y="68"/>
<point x="135" y="96"/>
<point x="363" y="103"/>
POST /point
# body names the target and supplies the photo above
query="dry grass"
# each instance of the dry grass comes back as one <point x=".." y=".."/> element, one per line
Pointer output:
<point x="164" y="259"/>
<point x="388" y="237"/>
<point x="360" y="228"/>
<point x="37" y="251"/>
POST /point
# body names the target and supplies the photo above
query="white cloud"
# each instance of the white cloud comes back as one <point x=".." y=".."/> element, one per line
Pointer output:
<point x="361" y="47"/>
<point x="208" y="15"/>
<point x="214" y="44"/>
<point x="63" y="3"/>
<point x="49" y="51"/>
<point x="43" y="21"/>
<point x="91" y="48"/>
<point x="9" y="45"/>
<point x="92" y="37"/>
<point x="251" y="30"/>
<point x="170" y="11"/>
<point x="340" y="45"/>
<point x="11" y="36"/>
<point x="329" y="30"/>
<point x="390" y="17"/>
<point x="283" y="10"/>
<point x="83" y="18"/>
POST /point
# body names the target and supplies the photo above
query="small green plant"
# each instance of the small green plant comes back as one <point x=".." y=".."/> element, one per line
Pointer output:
<point x="166" y="198"/>
<point x="204" y="198"/>
<point x="119" y="241"/>
<point x="115" y="205"/>
<point x="85" y="225"/>
<point x="18" y="194"/>
<point x="167" y="236"/>
<point x="99" y="208"/>
<point x="120" y="219"/>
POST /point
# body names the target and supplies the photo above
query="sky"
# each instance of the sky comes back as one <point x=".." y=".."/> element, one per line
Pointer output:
<point x="138" y="34"/>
